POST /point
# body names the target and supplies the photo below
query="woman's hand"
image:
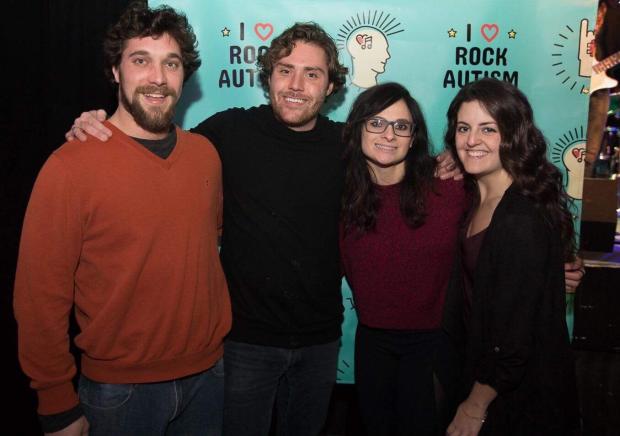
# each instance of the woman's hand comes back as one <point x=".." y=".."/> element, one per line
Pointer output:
<point x="472" y="412"/>
<point x="573" y="274"/>
<point x="468" y="420"/>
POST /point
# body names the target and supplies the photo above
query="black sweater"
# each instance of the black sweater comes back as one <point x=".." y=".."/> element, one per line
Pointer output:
<point x="282" y="192"/>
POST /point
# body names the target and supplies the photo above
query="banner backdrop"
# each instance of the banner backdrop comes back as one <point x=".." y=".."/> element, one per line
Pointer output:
<point x="433" y="48"/>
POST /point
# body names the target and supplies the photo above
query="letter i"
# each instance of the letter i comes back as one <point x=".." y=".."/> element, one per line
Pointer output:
<point x="468" y="32"/>
<point x="241" y="31"/>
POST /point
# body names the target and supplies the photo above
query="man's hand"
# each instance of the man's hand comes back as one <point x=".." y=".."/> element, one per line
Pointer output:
<point x="91" y="123"/>
<point x="573" y="273"/>
<point x="76" y="428"/>
<point x="447" y="168"/>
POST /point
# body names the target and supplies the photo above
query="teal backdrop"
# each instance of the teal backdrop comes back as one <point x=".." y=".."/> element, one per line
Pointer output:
<point x="433" y="48"/>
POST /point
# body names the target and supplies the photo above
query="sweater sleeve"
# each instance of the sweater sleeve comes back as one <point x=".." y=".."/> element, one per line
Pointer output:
<point x="516" y="282"/>
<point x="44" y="287"/>
<point x="211" y="128"/>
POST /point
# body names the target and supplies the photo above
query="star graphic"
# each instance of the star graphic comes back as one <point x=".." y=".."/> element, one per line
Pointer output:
<point x="225" y="31"/>
<point x="512" y="34"/>
<point x="452" y="33"/>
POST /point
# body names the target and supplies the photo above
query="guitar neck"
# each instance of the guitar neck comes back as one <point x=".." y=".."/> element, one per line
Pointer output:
<point x="607" y="63"/>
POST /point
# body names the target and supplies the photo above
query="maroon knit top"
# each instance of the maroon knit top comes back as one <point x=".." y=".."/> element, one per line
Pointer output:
<point x="399" y="275"/>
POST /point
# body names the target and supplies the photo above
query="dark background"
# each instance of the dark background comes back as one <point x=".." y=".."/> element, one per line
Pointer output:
<point x="52" y="69"/>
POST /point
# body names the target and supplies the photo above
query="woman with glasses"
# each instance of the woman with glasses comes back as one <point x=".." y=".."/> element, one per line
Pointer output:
<point x="519" y="371"/>
<point x="399" y="233"/>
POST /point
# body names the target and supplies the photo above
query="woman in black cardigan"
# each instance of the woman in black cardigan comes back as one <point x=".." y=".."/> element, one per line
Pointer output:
<point x="508" y="295"/>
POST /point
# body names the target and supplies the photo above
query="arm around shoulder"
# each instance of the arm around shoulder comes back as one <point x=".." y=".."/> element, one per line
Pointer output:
<point x="447" y="167"/>
<point x="91" y="123"/>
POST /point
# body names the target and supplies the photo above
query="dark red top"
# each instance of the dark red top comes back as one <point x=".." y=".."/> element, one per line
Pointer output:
<point x="399" y="275"/>
<point x="470" y="247"/>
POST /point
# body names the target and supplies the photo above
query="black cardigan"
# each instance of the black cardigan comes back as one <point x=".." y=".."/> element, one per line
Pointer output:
<point x="517" y="340"/>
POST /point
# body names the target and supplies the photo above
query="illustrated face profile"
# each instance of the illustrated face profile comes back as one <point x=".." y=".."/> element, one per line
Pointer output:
<point x="368" y="48"/>
<point x="365" y="38"/>
<point x="573" y="159"/>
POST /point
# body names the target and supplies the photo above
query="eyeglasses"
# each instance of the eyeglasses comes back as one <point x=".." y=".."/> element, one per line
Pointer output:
<point x="379" y="125"/>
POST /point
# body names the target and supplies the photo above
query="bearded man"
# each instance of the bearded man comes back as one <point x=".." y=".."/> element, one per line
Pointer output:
<point x="115" y="232"/>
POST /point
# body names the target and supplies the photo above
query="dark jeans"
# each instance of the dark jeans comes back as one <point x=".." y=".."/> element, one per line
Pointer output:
<point x="297" y="381"/>
<point x="186" y="406"/>
<point x="394" y="376"/>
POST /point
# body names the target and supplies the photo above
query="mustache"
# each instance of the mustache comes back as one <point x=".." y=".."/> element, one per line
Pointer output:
<point x="294" y="95"/>
<point x="154" y="89"/>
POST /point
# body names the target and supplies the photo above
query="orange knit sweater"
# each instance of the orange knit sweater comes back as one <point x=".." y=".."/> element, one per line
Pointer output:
<point x="129" y="240"/>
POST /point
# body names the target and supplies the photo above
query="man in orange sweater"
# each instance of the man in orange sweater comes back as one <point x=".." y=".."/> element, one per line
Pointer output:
<point x="126" y="234"/>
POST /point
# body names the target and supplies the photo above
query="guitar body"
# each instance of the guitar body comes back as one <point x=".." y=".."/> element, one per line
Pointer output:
<point x="601" y="81"/>
<point x="599" y="78"/>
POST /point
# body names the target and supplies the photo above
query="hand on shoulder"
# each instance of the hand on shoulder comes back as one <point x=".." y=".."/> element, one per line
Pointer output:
<point x="89" y="123"/>
<point x="447" y="167"/>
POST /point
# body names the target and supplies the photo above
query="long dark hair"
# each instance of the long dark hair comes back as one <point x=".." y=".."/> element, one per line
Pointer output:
<point x="523" y="150"/>
<point x="360" y="200"/>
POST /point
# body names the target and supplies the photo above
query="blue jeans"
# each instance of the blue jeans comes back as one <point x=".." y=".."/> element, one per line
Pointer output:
<point x="190" y="405"/>
<point x="297" y="381"/>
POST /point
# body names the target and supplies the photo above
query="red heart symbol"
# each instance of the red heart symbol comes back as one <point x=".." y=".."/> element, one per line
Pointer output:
<point x="576" y="152"/>
<point x="489" y="31"/>
<point x="360" y="39"/>
<point x="263" y="30"/>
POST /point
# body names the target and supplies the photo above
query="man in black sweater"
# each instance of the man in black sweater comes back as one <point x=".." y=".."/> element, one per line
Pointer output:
<point x="283" y="182"/>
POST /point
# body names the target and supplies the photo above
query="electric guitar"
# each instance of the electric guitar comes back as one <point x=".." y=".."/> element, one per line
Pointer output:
<point x="600" y="80"/>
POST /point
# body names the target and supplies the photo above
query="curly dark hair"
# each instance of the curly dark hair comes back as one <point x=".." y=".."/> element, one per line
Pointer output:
<point x="360" y="200"/>
<point x="282" y="45"/>
<point x="523" y="151"/>
<point x="139" y="21"/>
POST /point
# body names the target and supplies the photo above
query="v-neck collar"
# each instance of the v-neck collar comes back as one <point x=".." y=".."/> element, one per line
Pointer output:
<point x="141" y="149"/>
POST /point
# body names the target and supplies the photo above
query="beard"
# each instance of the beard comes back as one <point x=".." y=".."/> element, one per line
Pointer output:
<point x="153" y="119"/>
<point x="295" y="118"/>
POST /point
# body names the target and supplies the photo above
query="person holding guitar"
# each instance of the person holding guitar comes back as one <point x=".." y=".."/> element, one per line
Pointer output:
<point x="605" y="75"/>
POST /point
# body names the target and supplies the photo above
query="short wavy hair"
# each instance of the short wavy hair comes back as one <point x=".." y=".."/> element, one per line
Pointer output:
<point x="282" y="46"/>
<point x="140" y="21"/>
